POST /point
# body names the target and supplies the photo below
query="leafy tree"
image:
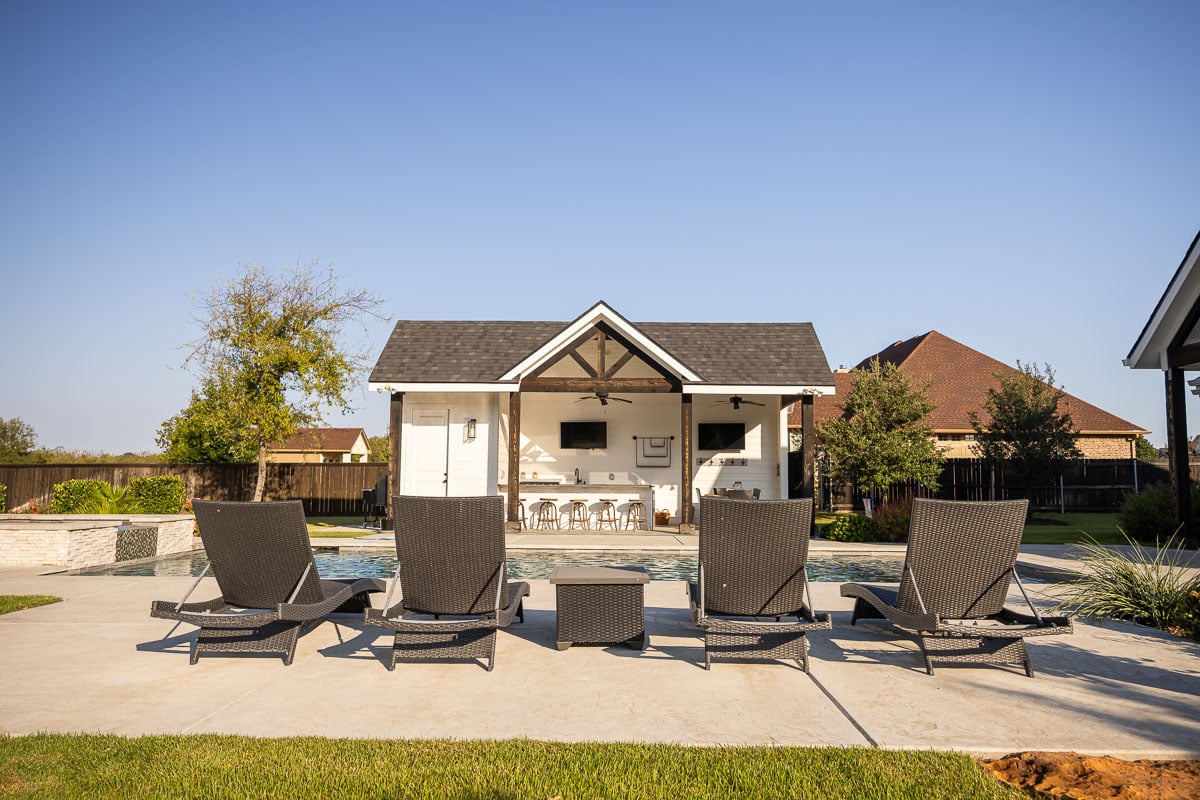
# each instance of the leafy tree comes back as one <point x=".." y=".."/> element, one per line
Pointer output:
<point x="1143" y="449"/>
<point x="17" y="441"/>
<point x="1025" y="433"/>
<point x="202" y="433"/>
<point x="881" y="438"/>
<point x="271" y="358"/>
<point x="379" y="448"/>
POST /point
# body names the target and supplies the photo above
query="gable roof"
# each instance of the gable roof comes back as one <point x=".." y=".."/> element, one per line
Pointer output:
<point x="1174" y="319"/>
<point x="494" y="355"/>
<point x="960" y="378"/>
<point x="331" y="440"/>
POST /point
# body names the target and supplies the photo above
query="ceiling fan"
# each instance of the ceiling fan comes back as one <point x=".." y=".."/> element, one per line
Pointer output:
<point x="738" y="401"/>
<point x="603" y="398"/>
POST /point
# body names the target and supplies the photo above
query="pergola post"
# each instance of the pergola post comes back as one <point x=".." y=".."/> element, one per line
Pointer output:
<point x="1178" y="455"/>
<point x="514" y="459"/>
<point x="688" y="517"/>
<point x="395" y="425"/>
<point x="808" y="448"/>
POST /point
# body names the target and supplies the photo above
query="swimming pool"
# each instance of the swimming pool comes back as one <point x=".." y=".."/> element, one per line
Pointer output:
<point x="526" y="564"/>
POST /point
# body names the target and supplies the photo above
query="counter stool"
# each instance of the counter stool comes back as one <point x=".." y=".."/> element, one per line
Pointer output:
<point x="546" y="516"/>
<point x="521" y="515"/>
<point x="578" y="515"/>
<point x="636" y="517"/>
<point x="607" y="515"/>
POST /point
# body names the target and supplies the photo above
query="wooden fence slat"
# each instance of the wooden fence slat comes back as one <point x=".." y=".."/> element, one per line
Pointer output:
<point x="325" y="489"/>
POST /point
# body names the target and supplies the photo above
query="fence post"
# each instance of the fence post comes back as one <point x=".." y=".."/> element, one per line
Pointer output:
<point x="1062" y="500"/>
<point x="1135" y="475"/>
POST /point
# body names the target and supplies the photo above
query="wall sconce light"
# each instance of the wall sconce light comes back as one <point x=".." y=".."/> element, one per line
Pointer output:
<point x="469" y="430"/>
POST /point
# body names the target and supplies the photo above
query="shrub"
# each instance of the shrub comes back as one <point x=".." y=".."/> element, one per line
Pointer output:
<point x="71" y="497"/>
<point x="1149" y="515"/>
<point x="893" y="518"/>
<point x="3" y="498"/>
<point x="158" y="494"/>
<point x="852" y="528"/>
<point x="92" y="497"/>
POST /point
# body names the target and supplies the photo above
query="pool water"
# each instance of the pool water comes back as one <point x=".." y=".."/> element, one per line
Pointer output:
<point x="526" y="564"/>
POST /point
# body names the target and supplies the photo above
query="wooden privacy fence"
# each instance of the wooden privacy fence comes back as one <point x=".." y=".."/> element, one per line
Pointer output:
<point x="326" y="489"/>
<point x="1094" y="485"/>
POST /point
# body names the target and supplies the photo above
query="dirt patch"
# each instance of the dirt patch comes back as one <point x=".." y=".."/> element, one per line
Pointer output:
<point x="1078" y="777"/>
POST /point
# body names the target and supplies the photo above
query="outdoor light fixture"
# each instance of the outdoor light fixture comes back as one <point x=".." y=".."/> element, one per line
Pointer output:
<point x="469" y="430"/>
<point x="1195" y="384"/>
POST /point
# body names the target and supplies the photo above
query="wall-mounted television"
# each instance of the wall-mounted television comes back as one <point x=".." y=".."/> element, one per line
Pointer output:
<point x="721" y="436"/>
<point x="583" y="435"/>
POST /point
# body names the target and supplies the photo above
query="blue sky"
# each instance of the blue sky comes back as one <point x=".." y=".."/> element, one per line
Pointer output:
<point x="1022" y="177"/>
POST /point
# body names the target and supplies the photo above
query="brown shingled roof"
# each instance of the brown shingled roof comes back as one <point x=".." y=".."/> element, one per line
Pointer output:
<point x="336" y="440"/>
<point x="960" y="378"/>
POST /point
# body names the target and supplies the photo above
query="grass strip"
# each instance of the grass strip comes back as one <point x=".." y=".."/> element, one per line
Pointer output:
<point x="19" y="602"/>
<point x="102" y="766"/>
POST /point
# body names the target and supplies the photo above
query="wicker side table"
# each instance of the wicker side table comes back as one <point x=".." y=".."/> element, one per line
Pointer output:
<point x="600" y="605"/>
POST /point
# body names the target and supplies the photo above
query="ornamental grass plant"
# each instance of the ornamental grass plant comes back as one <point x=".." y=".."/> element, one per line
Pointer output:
<point x="1148" y="585"/>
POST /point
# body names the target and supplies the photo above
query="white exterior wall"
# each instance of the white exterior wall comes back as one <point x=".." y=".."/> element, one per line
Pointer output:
<point x="761" y="453"/>
<point x="470" y="465"/>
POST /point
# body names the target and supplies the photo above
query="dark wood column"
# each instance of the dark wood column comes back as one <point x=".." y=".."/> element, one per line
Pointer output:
<point x="395" y="425"/>
<point x="808" y="448"/>
<point x="688" y="517"/>
<point x="514" y="455"/>
<point x="1177" y="451"/>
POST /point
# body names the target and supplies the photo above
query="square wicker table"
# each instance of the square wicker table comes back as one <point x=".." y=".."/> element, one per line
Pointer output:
<point x="600" y="605"/>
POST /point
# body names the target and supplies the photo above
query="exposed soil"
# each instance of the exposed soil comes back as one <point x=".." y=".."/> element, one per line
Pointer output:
<point x="1078" y="777"/>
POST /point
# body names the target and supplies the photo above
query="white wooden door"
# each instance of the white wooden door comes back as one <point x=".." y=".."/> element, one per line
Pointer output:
<point x="430" y="444"/>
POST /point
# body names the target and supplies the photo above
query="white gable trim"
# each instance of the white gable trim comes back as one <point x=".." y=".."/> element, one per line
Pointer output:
<point x="1150" y="350"/>
<point x="712" y="388"/>
<point x="443" y="387"/>
<point x="598" y="313"/>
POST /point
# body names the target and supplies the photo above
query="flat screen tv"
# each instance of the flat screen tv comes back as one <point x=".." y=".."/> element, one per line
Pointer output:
<point x="583" y="435"/>
<point x="721" y="436"/>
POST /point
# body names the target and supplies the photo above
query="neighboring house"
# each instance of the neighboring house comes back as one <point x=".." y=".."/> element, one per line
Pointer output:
<point x="604" y="406"/>
<point x="321" y="445"/>
<point x="960" y="378"/>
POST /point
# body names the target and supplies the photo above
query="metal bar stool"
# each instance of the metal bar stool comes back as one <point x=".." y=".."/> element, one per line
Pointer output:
<point x="546" y="516"/>
<point x="578" y="515"/>
<point x="607" y="515"/>
<point x="636" y="517"/>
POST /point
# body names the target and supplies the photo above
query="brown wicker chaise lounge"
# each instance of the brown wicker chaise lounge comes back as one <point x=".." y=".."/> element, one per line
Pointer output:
<point x="452" y="579"/>
<point x="751" y="596"/>
<point x="261" y="557"/>
<point x="960" y="561"/>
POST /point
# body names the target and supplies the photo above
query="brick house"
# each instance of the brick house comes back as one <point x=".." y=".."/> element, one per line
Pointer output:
<point x="321" y="446"/>
<point x="960" y="378"/>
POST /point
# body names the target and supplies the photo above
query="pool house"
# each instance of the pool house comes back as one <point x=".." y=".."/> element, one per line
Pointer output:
<point x="599" y="409"/>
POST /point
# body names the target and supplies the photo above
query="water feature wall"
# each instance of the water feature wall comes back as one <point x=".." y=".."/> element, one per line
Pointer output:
<point x="78" y="541"/>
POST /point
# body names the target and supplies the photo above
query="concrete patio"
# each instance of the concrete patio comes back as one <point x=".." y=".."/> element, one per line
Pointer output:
<point x="97" y="662"/>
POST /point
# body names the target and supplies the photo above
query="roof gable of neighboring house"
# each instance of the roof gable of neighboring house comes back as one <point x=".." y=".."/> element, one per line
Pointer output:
<point x="959" y="379"/>
<point x="701" y="354"/>
<point x="322" y="440"/>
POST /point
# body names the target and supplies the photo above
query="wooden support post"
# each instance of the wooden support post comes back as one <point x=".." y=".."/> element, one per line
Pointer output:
<point x="1179" y="460"/>
<point x="395" y="425"/>
<point x="808" y="450"/>
<point x="514" y="456"/>
<point x="685" y="487"/>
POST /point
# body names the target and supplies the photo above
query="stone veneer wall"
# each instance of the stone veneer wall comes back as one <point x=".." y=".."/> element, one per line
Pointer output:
<point x="76" y="542"/>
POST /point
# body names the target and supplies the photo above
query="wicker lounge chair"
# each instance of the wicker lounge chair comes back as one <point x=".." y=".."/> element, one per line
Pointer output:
<point x="960" y="561"/>
<point x="752" y="597"/>
<point x="262" y="559"/>
<point x="452" y="580"/>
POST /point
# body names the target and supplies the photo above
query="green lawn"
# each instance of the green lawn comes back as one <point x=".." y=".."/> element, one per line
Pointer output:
<point x="1063" y="528"/>
<point x="19" y="602"/>
<point x="96" y="766"/>
<point x="324" y="527"/>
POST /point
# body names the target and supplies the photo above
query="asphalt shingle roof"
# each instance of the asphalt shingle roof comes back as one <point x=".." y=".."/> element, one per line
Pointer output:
<point x="960" y="378"/>
<point x="424" y="351"/>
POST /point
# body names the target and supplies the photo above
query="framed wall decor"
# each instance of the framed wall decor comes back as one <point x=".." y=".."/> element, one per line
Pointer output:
<point x="653" y="451"/>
